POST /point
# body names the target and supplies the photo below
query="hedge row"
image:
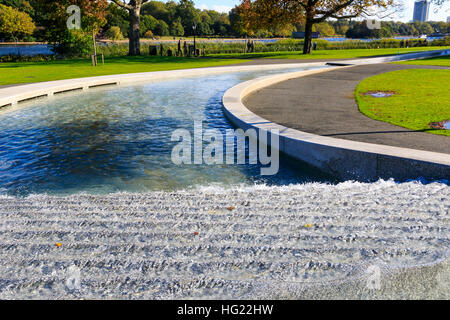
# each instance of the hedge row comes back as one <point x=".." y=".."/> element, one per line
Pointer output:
<point x="207" y="48"/>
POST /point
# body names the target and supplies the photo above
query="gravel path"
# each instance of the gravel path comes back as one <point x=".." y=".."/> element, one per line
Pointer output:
<point x="305" y="241"/>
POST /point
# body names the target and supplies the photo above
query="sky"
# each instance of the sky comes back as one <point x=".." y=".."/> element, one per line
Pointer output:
<point x="405" y="16"/>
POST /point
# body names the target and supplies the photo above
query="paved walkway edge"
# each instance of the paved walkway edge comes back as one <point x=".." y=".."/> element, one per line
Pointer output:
<point x="348" y="160"/>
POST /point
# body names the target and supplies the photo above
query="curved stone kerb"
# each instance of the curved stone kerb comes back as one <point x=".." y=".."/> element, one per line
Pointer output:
<point x="13" y="95"/>
<point x="343" y="158"/>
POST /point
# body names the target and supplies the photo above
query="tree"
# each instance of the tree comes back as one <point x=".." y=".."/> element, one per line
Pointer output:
<point x="189" y="16"/>
<point x="15" y="22"/>
<point x="221" y="24"/>
<point x="118" y="17"/>
<point x="156" y="9"/>
<point x="283" y="31"/>
<point x="148" y="23"/>
<point x="53" y="16"/>
<point x="114" y="33"/>
<point x="275" y="12"/>
<point x="360" y="30"/>
<point x="177" y="29"/>
<point x="242" y="19"/>
<point x="341" y="26"/>
<point x="438" y="2"/>
<point x="412" y="31"/>
<point x="21" y="5"/>
<point x="325" y="29"/>
<point x="134" y="9"/>
<point x="94" y="17"/>
<point x="423" y="27"/>
<point x="161" y="28"/>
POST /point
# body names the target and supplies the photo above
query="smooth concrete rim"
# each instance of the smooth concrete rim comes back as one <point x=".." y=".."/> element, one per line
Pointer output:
<point x="242" y="117"/>
<point x="233" y="106"/>
<point x="14" y="96"/>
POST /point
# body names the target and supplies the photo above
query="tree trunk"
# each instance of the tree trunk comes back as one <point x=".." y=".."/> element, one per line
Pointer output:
<point x="135" y="19"/>
<point x="308" y="36"/>
<point x="95" y="42"/>
<point x="95" y="48"/>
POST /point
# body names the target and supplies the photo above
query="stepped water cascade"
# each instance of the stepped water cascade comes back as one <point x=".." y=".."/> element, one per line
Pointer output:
<point x="92" y="207"/>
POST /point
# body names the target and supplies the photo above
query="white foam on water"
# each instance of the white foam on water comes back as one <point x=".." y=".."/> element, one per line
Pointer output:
<point x="308" y="240"/>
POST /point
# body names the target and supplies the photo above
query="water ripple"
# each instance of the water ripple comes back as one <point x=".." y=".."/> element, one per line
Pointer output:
<point x="118" y="139"/>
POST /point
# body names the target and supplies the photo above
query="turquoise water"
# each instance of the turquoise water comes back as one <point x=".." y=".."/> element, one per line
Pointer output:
<point x="119" y="139"/>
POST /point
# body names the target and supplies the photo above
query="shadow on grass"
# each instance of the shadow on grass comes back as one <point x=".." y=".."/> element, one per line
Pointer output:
<point x="256" y="55"/>
<point x="317" y="55"/>
<point x="436" y="58"/>
<point x="115" y="60"/>
<point x="381" y="132"/>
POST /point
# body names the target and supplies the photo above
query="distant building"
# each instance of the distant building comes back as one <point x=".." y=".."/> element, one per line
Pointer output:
<point x="421" y="10"/>
<point x="448" y="19"/>
<point x="301" y="35"/>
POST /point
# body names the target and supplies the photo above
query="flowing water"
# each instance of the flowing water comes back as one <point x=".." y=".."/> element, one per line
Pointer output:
<point x="92" y="207"/>
<point x="119" y="139"/>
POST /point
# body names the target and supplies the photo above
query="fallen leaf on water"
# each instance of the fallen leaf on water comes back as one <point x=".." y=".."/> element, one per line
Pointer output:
<point x="58" y="244"/>
<point x="230" y="208"/>
<point x="195" y="233"/>
<point x="308" y="225"/>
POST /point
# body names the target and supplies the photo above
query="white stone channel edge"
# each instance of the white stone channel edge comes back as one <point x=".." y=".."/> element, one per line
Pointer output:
<point x="322" y="152"/>
<point x="343" y="158"/>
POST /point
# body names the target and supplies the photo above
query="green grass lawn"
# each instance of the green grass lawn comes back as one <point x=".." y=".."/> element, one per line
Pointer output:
<point x="328" y="54"/>
<point x="27" y="72"/>
<point x="439" y="61"/>
<point x="421" y="96"/>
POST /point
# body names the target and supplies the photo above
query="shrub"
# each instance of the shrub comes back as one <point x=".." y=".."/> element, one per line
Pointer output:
<point x="161" y="28"/>
<point x="19" y="58"/>
<point x="14" y="22"/>
<point x="75" y="43"/>
<point x="148" y="34"/>
<point x="148" y="23"/>
<point x="177" y="29"/>
<point x="114" y="34"/>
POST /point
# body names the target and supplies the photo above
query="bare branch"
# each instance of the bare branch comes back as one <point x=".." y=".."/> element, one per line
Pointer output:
<point x="387" y="12"/>
<point x="302" y="4"/>
<point x="322" y="19"/>
<point x="122" y="4"/>
<point x="334" y="10"/>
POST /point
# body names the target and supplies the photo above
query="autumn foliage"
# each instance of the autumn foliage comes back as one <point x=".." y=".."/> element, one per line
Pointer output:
<point x="53" y="17"/>
<point x="15" y="22"/>
<point x="275" y="13"/>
